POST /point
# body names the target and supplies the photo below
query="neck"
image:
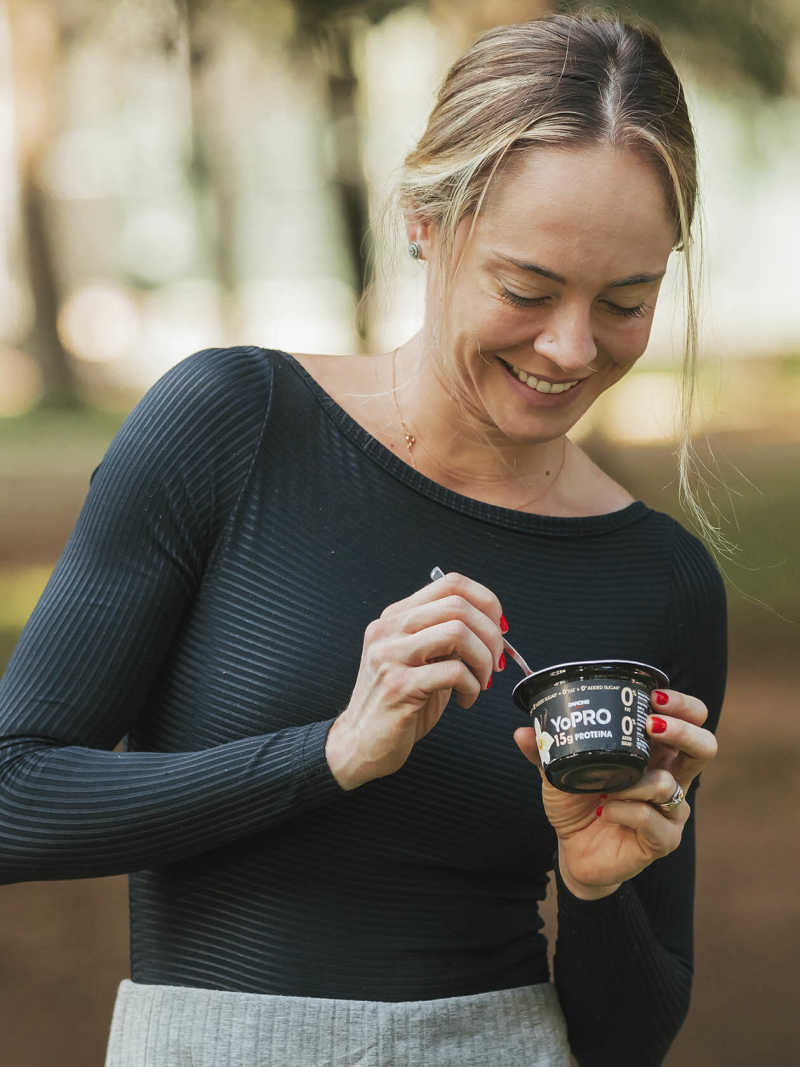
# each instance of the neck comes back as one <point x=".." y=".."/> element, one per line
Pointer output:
<point x="462" y="452"/>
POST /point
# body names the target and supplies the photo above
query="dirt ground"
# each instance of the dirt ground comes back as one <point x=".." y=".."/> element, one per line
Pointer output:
<point x="746" y="1007"/>
<point x="64" y="947"/>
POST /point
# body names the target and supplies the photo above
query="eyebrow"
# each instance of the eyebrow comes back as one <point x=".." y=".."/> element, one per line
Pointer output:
<point x="634" y="279"/>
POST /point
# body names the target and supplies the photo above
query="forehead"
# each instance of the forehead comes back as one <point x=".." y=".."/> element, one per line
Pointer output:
<point x="579" y="211"/>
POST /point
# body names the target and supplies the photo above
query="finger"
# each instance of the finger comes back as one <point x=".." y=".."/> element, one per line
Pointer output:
<point x="679" y="811"/>
<point x="446" y="674"/>
<point x="656" y="786"/>
<point x="455" y="608"/>
<point x="680" y="705"/>
<point x="451" y="640"/>
<point x="452" y="584"/>
<point x="525" y="738"/>
<point x="694" y="746"/>
<point x="658" y="835"/>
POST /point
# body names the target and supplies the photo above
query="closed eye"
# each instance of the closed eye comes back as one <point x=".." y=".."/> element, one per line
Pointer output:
<point x="535" y="301"/>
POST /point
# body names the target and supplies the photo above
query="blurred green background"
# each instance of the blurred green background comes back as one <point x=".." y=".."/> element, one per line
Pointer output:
<point x="180" y="175"/>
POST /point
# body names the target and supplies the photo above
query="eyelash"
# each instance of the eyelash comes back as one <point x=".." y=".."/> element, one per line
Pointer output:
<point x="616" y="309"/>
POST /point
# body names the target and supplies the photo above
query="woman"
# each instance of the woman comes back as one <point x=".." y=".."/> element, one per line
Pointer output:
<point x="332" y="861"/>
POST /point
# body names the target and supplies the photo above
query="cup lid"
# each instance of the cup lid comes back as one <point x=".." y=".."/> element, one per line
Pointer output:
<point x="603" y="665"/>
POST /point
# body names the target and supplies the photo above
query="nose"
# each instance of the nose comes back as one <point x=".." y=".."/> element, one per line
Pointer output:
<point x="566" y="339"/>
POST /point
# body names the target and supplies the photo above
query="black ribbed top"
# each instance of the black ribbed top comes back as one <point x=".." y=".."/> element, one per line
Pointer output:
<point x="238" y="536"/>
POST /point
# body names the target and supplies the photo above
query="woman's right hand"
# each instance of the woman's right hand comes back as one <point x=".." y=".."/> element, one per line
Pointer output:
<point x="444" y="637"/>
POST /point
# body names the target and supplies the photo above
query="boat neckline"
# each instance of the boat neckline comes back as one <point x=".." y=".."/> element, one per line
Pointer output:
<point x="479" y="509"/>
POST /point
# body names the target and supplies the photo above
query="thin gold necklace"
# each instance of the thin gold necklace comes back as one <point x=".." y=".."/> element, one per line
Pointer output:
<point x="411" y="440"/>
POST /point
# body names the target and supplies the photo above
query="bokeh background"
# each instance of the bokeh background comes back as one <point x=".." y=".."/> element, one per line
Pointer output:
<point x="182" y="174"/>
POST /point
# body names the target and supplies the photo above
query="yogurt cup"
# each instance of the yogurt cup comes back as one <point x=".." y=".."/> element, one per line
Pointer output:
<point x="590" y="719"/>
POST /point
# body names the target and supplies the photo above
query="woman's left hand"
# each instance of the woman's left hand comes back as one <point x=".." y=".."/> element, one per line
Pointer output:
<point x="603" y="840"/>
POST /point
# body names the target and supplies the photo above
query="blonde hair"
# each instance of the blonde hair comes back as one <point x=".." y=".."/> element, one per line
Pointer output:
<point x="567" y="80"/>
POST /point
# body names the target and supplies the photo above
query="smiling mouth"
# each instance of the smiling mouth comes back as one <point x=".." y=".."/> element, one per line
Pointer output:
<point x="539" y="384"/>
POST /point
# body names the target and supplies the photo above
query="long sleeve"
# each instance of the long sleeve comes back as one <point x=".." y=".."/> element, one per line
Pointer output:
<point x="624" y="964"/>
<point x="90" y="660"/>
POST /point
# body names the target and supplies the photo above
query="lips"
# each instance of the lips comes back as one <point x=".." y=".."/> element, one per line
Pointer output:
<point x="541" y="385"/>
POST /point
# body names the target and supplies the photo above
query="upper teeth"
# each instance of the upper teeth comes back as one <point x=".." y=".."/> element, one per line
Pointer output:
<point x="539" y="385"/>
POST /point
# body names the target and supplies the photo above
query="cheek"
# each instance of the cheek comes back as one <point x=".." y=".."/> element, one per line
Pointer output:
<point x="619" y="351"/>
<point x="489" y="323"/>
<point x="625" y="345"/>
<point x="502" y="326"/>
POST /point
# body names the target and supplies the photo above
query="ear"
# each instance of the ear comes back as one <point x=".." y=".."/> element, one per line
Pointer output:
<point x="421" y="231"/>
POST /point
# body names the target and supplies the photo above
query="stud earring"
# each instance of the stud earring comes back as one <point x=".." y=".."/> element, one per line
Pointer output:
<point x="414" y="250"/>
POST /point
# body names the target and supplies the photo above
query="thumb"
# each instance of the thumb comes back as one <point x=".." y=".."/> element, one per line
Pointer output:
<point x="525" y="737"/>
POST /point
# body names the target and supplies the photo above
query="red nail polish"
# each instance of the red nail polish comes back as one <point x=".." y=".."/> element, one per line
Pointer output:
<point x="489" y="683"/>
<point x="661" y="697"/>
<point x="503" y="624"/>
<point x="501" y="663"/>
<point x="603" y="796"/>
<point x="599" y="812"/>
<point x="657" y="724"/>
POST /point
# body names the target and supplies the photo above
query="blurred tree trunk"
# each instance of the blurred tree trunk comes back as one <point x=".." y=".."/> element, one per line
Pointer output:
<point x="334" y="29"/>
<point x="334" y="37"/>
<point x="37" y="46"/>
<point x="348" y="170"/>
<point x="43" y="343"/>
<point x="211" y="168"/>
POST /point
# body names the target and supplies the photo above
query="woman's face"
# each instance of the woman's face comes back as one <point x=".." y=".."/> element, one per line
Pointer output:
<point x="548" y="285"/>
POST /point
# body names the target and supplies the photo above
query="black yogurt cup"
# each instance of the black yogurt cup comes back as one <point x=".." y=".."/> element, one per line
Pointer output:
<point x="590" y="720"/>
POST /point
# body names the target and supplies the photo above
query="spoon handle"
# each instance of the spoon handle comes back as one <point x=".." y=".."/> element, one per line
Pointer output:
<point x="517" y="658"/>
<point x="437" y="573"/>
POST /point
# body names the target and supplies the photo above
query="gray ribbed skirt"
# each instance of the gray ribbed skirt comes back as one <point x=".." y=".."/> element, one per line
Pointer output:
<point x="178" y="1026"/>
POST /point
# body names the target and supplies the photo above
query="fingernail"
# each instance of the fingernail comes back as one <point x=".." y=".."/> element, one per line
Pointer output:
<point x="599" y="812"/>
<point x="661" y="697"/>
<point x="603" y="796"/>
<point x="501" y="663"/>
<point x="657" y="724"/>
<point x="503" y="624"/>
<point x="489" y="683"/>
